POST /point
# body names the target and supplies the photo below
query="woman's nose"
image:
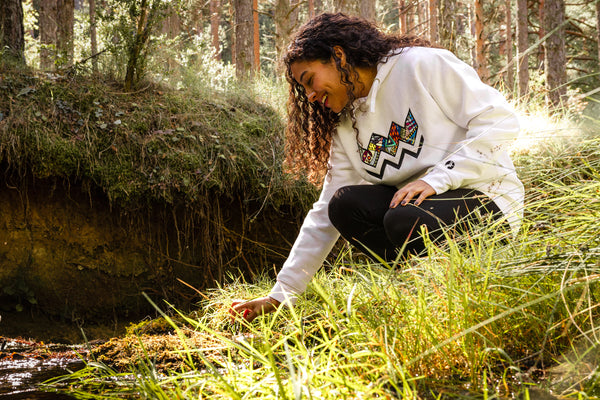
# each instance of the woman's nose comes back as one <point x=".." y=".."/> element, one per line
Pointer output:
<point x="312" y="96"/>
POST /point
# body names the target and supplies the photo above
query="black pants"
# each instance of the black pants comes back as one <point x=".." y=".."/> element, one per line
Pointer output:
<point x="363" y="216"/>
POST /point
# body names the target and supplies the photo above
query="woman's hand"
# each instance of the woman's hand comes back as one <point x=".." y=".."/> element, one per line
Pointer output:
<point x="408" y="192"/>
<point x="253" y="308"/>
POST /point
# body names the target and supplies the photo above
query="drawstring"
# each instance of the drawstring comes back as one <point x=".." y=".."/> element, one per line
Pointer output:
<point x="374" y="90"/>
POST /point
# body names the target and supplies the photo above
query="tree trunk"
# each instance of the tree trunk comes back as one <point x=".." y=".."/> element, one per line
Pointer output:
<point x="244" y="38"/>
<point x="367" y="9"/>
<point x="447" y="24"/>
<point x="311" y="9"/>
<point x="215" y="21"/>
<point x="286" y="21"/>
<point x="65" y="18"/>
<point x="256" y="34"/>
<point x="482" y="69"/>
<point x="93" y="34"/>
<point x="598" y="28"/>
<point x="12" y="32"/>
<point x="433" y="21"/>
<point x="555" y="57"/>
<point x="402" y="20"/>
<point x="48" y="33"/>
<point x="423" y="18"/>
<point x="541" y="34"/>
<point x="509" y="81"/>
<point x="522" y="45"/>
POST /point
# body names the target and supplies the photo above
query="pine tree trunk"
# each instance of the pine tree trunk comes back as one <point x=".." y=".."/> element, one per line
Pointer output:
<point x="367" y="9"/>
<point x="256" y="34"/>
<point x="244" y="38"/>
<point x="482" y="69"/>
<point x="433" y="21"/>
<point x="598" y="28"/>
<point x="286" y="21"/>
<point x="311" y="9"/>
<point x="402" y="20"/>
<point x="447" y="23"/>
<point x="215" y="21"/>
<point x="93" y="34"/>
<point x="555" y="56"/>
<point x="12" y="32"/>
<point x="541" y="34"/>
<point x="423" y="18"/>
<point x="65" y="17"/>
<point x="48" y="33"/>
<point x="522" y="45"/>
<point x="509" y="81"/>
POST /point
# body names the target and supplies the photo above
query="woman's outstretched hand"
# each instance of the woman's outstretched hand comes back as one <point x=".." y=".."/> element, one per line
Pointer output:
<point x="253" y="308"/>
<point x="419" y="189"/>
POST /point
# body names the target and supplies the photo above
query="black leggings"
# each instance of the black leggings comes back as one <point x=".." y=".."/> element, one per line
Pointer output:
<point x="363" y="216"/>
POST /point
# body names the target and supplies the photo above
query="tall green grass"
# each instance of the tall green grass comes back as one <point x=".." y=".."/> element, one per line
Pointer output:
<point x="476" y="317"/>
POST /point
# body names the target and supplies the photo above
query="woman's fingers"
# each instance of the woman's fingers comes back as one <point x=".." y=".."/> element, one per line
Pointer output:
<point x="253" y="308"/>
<point x="419" y="189"/>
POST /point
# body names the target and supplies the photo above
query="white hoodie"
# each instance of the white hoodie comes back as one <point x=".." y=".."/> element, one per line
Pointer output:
<point x="427" y="116"/>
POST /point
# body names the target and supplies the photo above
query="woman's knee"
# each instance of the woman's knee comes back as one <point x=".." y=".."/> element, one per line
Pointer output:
<point x="339" y="205"/>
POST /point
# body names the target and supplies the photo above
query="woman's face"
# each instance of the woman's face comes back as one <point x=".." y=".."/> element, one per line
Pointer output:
<point x="322" y="83"/>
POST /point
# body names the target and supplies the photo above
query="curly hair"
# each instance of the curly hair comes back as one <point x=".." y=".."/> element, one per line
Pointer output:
<point x="310" y="127"/>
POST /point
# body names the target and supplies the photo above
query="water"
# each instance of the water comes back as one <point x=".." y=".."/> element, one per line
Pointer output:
<point x="24" y="365"/>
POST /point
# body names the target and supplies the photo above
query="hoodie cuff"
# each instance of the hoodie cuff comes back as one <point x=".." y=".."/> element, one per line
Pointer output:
<point x="438" y="179"/>
<point x="283" y="295"/>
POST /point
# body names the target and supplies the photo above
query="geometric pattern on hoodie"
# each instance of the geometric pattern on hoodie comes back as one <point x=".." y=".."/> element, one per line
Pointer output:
<point x="397" y="134"/>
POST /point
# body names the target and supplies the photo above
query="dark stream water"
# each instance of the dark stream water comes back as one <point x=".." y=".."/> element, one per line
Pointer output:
<point x="24" y="365"/>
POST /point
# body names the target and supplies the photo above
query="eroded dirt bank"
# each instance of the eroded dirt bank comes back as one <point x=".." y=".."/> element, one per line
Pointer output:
<point x="64" y="252"/>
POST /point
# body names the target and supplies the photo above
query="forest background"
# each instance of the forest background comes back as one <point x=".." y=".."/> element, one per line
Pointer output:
<point x="161" y="122"/>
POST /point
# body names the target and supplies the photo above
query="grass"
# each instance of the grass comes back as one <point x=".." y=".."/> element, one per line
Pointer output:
<point x="475" y="318"/>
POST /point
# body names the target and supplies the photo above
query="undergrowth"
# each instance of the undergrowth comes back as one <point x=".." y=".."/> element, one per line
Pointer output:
<point x="475" y="318"/>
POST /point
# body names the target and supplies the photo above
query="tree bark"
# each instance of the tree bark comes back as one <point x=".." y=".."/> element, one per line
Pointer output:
<point x="522" y="45"/>
<point x="93" y="34"/>
<point x="598" y="28"/>
<point x="447" y="23"/>
<point x="555" y="55"/>
<point x="509" y="81"/>
<point x="256" y="34"/>
<point x="285" y="18"/>
<point x="402" y="20"/>
<point x="433" y="21"/>
<point x="48" y="33"/>
<point x="12" y="32"/>
<point x="215" y="21"/>
<point x="244" y="38"/>
<point x="482" y="69"/>
<point x="541" y="34"/>
<point x="367" y="9"/>
<point x="311" y="9"/>
<point x="65" y="18"/>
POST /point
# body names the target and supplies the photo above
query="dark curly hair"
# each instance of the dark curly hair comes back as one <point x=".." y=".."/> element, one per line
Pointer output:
<point x="310" y="127"/>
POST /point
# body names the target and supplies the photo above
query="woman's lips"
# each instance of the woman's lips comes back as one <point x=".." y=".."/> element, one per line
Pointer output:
<point x="324" y="101"/>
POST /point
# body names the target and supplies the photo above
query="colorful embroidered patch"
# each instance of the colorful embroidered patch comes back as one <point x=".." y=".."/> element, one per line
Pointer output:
<point x="396" y="135"/>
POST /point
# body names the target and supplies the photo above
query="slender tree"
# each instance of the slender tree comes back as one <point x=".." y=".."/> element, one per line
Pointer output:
<point x="402" y="19"/>
<point x="12" y="32"/>
<point x="447" y="24"/>
<point x="522" y="45"/>
<point x="256" y="34"/>
<point x="244" y="38"/>
<point x="481" y="65"/>
<point x="215" y="21"/>
<point x="285" y="17"/>
<point x="48" y="33"/>
<point x="65" y="18"/>
<point x="433" y="21"/>
<point x="93" y="34"/>
<point x="555" y="55"/>
<point x="598" y="29"/>
<point x="367" y="9"/>
<point x="311" y="9"/>
<point x="509" y="81"/>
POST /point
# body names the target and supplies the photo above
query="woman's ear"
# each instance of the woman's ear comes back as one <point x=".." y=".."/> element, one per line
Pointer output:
<point x="339" y="53"/>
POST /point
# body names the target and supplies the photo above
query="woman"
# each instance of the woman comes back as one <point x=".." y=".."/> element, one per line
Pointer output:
<point x="410" y="140"/>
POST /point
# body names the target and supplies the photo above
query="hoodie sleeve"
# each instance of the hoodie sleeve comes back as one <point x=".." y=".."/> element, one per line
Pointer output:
<point x="317" y="235"/>
<point x="490" y="123"/>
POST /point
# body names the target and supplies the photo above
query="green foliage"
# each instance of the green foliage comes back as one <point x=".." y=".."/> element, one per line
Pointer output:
<point x="159" y="146"/>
